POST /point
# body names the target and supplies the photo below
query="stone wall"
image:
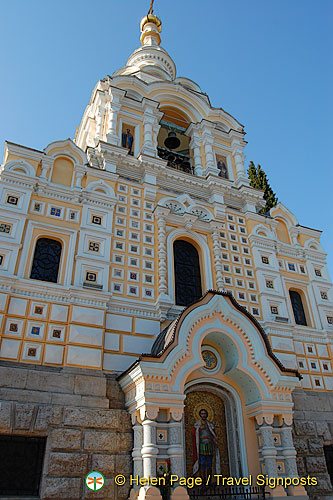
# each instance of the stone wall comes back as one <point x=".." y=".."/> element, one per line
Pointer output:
<point x="81" y="412"/>
<point x="313" y="429"/>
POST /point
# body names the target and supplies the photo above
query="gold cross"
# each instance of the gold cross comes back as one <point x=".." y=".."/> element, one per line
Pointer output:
<point x="151" y="8"/>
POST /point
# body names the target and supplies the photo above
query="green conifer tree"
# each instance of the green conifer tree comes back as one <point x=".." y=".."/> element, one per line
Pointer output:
<point x="258" y="180"/>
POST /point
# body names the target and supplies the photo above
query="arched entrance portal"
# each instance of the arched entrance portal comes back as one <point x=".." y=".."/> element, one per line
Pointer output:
<point x="213" y="357"/>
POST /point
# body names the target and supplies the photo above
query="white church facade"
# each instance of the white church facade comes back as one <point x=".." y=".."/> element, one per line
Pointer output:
<point x="153" y="321"/>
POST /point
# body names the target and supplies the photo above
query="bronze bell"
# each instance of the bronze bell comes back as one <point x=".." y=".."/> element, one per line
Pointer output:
<point x="172" y="141"/>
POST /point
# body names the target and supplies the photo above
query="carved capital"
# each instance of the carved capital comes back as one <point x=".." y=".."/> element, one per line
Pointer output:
<point x="287" y="419"/>
<point x="189" y="221"/>
<point x="176" y="413"/>
<point x="264" y="418"/>
<point x="161" y="212"/>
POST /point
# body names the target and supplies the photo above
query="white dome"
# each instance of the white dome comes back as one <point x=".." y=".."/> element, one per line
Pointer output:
<point x="150" y="58"/>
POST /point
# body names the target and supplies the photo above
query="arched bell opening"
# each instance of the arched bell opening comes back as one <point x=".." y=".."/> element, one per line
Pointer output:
<point x="173" y="144"/>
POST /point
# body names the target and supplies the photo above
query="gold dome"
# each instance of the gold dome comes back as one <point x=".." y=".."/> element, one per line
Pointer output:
<point x="151" y="18"/>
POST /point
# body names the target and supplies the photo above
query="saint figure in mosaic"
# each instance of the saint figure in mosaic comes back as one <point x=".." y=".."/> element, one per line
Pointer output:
<point x="205" y="447"/>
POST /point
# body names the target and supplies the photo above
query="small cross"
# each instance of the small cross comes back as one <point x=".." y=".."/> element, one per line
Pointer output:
<point x="209" y="359"/>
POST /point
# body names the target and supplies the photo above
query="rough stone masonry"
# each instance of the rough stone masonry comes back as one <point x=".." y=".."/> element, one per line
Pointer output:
<point x="81" y="412"/>
<point x="313" y="429"/>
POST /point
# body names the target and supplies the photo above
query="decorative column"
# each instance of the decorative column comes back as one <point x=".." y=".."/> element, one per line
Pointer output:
<point x="136" y="453"/>
<point x="79" y="173"/>
<point x="237" y="151"/>
<point x="194" y="134"/>
<point x="148" y="125"/>
<point x="208" y="141"/>
<point x="195" y="145"/>
<point x="289" y="454"/>
<point x="239" y="161"/>
<point x="99" y="117"/>
<point x="162" y="271"/>
<point x="149" y="450"/>
<point x="160" y="214"/>
<point x="46" y="165"/>
<point x="156" y="129"/>
<point x="217" y="257"/>
<point x="175" y="450"/>
<point x="294" y="232"/>
<point x="151" y="119"/>
<point x="114" y="106"/>
<point x="269" y="451"/>
<point x="164" y="301"/>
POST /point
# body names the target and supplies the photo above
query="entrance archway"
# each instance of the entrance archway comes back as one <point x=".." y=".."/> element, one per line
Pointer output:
<point x="215" y="347"/>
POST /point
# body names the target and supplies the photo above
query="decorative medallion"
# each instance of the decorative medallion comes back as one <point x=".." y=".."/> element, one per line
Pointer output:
<point x="210" y="359"/>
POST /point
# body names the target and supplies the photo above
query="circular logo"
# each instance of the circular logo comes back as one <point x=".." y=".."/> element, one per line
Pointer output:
<point x="95" y="480"/>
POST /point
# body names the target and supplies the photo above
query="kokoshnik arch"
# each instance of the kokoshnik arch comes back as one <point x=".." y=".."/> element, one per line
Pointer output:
<point x="143" y="235"/>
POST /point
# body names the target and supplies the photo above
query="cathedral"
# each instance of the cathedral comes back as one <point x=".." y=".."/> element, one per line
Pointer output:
<point x="154" y="322"/>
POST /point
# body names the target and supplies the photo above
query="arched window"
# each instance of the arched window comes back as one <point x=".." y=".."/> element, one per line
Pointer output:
<point x="46" y="261"/>
<point x="187" y="273"/>
<point x="298" y="309"/>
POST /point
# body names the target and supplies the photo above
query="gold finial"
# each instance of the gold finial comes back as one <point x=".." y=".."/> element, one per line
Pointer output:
<point x="152" y="19"/>
<point x="151" y="8"/>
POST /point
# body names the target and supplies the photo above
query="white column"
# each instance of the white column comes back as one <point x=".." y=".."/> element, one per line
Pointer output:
<point x="136" y="453"/>
<point x="148" y="136"/>
<point x="195" y="145"/>
<point x="149" y="450"/>
<point x="78" y="178"/>
<point x="160" y="214"/>
<point x="208" y="141"/>
<point x="268" y="450"/>
<point x="162" y="270"/>
<point x="46" y="164"/>
<point x="241" y="175"/>
<point x="269" y="453"/>
<point x="163" y="300"/>
<point x="288" y="451"/>
<point x="111" y="134"/>
<point x="149" y="132"/>
<point x="293" y="231"/>
<point x="217" y="259"/>
<point x="290" y="464"/>
<point x="175" y="450"/>
<point x="99" y="122"/>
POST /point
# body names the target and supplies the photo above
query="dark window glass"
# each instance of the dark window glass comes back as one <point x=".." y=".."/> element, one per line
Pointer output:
<point x="187" y="273"/>
<point x="298" y="309"/>
<point x="21" y="460"/>
<point x="328" y="450"/>
<point x="46" y="261"/>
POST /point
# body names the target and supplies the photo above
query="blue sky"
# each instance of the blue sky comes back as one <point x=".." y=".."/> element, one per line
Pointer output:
<point x="267" y="62"/>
